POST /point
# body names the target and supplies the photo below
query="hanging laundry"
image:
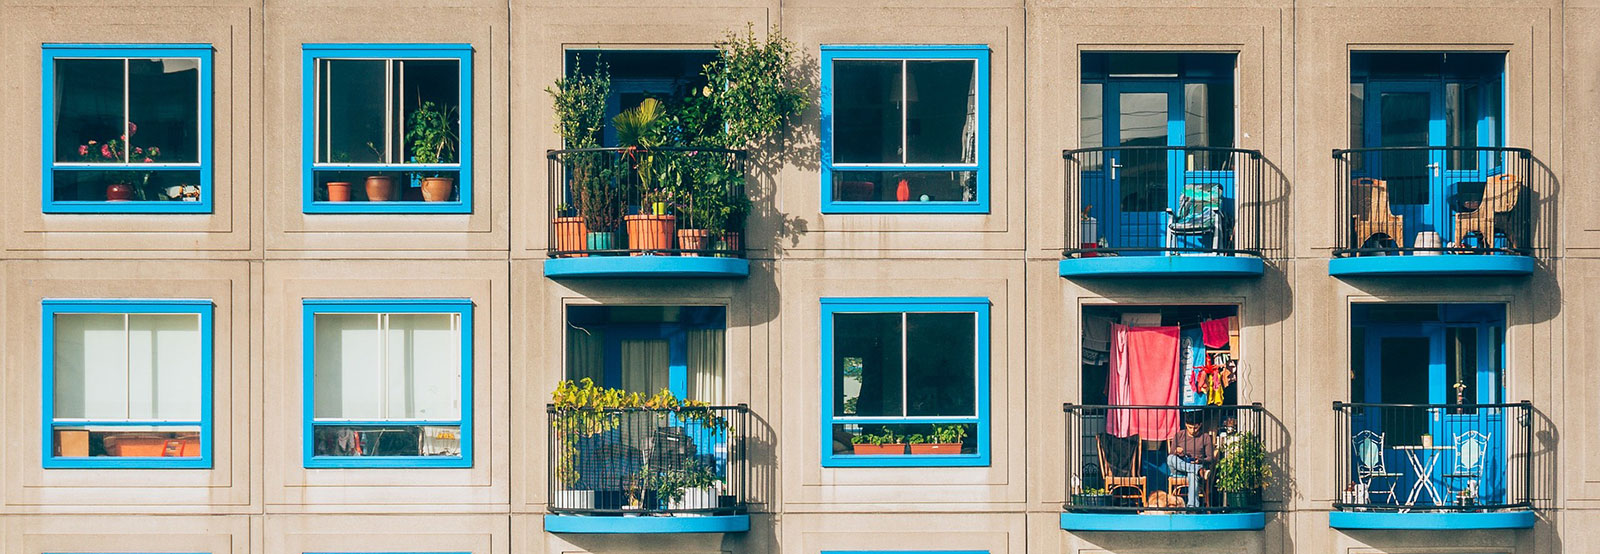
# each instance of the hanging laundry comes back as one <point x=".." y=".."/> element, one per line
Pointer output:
<point x="1216" y="332"/>
<point x="1144" y="372"/>
<point x="1194" y="356"/>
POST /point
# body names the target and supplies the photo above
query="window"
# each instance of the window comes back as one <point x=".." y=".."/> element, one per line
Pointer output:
<point x="388" y="383"/>
<point x="645" y="349"/>
<point x="905" y="382"/>
<point x="905" y="129"/>
<point x="127" y="128"/>
<point x="388" y="128"/>
<point x="127" y="384"/>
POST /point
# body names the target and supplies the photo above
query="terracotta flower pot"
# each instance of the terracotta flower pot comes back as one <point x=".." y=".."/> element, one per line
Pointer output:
<point x="693" y="239"/>
<point x="878" y="449"/>
<point x="650" y="233"/>
<point x="571" y="236"/>
<point x="936" y="448"/>
<point x="437" y="189"/>
<point x="380" y="188"/>
<point x="338" y="191"/>
<point x="119" y="192"/>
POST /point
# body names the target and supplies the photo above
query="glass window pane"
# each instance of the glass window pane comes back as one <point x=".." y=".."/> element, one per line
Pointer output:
<point x="164" y="367"/>
<point x="88" y="107"/>
<point x="436" y="82"/>
<point x="921" y="186"/>
<point x="1091" y="115"/>
<point x="91" y="366"/>
<point x="867" y="365"/>
<point x="1461" y="116"/>
<point x="941" y="116"/>
<point x="1208" y="115"/>
<point x="349" y="366"/>
<point x="867" y="111"/>
<point x="164" y="110"/>
<point x="423" y="378"/>
<point x="1403" y="121"/>
<point x="352" y="118"/>
<point x="941" y="364"/>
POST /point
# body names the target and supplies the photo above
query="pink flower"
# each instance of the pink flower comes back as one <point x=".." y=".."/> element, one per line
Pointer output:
<point x="105" y="150"/>
<point x="155" y="151"/>
<point x="138" y="150"/>
<point x="132" y="128"/>
<point x="83" y="150"/>
<point x="148" y="160"/>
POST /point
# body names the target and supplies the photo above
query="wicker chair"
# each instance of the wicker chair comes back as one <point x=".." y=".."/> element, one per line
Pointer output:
<point x="1123" y="478"/>
<point x="1372" y="217"/>
<point x="1500" y="196"/>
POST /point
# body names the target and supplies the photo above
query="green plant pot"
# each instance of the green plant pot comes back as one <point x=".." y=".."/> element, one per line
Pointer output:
<point x="1245" y="499"/>
<point x="600" y="241"/>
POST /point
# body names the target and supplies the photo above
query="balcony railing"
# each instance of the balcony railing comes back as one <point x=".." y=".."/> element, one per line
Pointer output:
<point x="1424" y="201"/>
<point x="1145" y="200"/>
<point x="681" y="461"/>
<point x="658" y="202"/>
<point x="1433" y="457"/>
<point x="1125" y="459"/>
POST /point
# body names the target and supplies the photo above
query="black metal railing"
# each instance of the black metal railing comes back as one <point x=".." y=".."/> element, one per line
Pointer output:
<point x="665" y="201"/>
<point x="1424" y="201"/>
<point x="1139" y="458"/>
<point x="1134" y="200"/>
<point x="1433" y="457"/>
<point x="687" y="460"/>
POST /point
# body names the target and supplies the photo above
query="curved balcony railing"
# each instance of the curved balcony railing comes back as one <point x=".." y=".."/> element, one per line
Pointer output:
<point x="1430" y="201"/>
<point x="1433" y="457"/>
<point x="664" y="201"/>
<point x="1154" y="200"/>
<point x="1119" y="459"/>
<point x="687" y="460"/>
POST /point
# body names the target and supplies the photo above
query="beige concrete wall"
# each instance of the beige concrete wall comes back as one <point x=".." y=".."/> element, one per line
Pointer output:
<point x="258" y="256"/>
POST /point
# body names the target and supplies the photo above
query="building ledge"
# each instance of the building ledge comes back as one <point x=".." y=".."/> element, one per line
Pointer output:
<point x="646" y="267"/>
<point x="1194" y="265"/>
<point x="621" y="525"/>
<point x="1521" y="519"/>
<point x="1466" y="265"/>
<point x="1242" y="521"/>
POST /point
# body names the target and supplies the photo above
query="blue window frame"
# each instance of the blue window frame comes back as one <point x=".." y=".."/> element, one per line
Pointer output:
<point x="126" y="383"/>
<point x="360" y="103"/>
<point x="126" y="129"/>
<point x="903" y="367"/>
<point x="387" y="383"/>
<point x="905" y="129"/>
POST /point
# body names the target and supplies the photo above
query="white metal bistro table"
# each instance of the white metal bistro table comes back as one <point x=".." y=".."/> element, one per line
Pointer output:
<point x="1424" y="470"/>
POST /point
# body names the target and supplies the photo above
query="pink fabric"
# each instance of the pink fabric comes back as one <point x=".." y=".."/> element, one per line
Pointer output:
<point x="1144" y="372"/>
<point x="1215" y="332"/>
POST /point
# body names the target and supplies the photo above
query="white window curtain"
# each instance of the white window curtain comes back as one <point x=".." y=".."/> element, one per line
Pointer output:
<point x="586" y="355"/>
<point x="706" y="365"/>
<point x="128" y="367"/>
<point x="388" y="367"/>
<point x="645" y="365"/>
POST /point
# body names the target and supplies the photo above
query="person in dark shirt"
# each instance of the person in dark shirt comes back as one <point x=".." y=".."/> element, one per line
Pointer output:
<point x="1191" y="453"/>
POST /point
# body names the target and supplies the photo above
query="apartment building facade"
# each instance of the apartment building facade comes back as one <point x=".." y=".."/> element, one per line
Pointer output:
<point x="1340" y="242"/>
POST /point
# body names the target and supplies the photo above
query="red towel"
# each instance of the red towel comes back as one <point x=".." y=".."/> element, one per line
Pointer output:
<point x="1144" y="372"/>
<point x="1214" y="332"/>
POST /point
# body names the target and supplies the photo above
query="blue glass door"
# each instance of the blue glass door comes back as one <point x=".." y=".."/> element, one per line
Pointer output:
<point x="1143" y="182"/>
<point x="1427" y="187"/>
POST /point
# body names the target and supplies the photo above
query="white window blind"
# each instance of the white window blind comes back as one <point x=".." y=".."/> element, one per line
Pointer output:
<point x="383" y="367"/>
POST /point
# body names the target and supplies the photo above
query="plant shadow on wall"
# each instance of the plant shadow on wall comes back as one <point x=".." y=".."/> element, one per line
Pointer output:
<point x="688" y="168"/>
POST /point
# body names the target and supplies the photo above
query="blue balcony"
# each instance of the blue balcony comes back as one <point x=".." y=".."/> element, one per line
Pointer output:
<point x="1165" y="211"/>
<point x="658" y="213"/>
<point x="1421" y="211"/>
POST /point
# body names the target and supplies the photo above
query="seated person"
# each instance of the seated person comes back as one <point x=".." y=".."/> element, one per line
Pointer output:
<point x="1191" y="454"/>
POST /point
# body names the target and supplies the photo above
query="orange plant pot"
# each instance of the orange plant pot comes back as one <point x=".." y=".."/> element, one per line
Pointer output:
<point x="380" y="188"/>
<point x="650" y="232"/>
<point x="338" y="191"/>
<point x="694" y="239"/>
<point x="437" y="189"/>
<point x="572" y="235"/>
<point x="879" y="449"/>
<point x="734" y="243"/>
<point x="936" y="448"/>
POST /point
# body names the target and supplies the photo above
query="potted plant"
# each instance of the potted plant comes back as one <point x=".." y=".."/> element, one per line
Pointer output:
<point x="1242" y="470"/>
<point x="1092" y="498"/>
<point x="639" y="134"/>
<point x="945" y="439"/>
<point x="870" y="444"/>
<point x="432" y="142"/>
<point x="380" y="188"/>
<point x="124" y="185"/>
<point x="571" y="233"/>
<point x="580" y="104"/>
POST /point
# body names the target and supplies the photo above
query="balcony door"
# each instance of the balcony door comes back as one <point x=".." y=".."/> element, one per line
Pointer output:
<point x="1143" y="183"/>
